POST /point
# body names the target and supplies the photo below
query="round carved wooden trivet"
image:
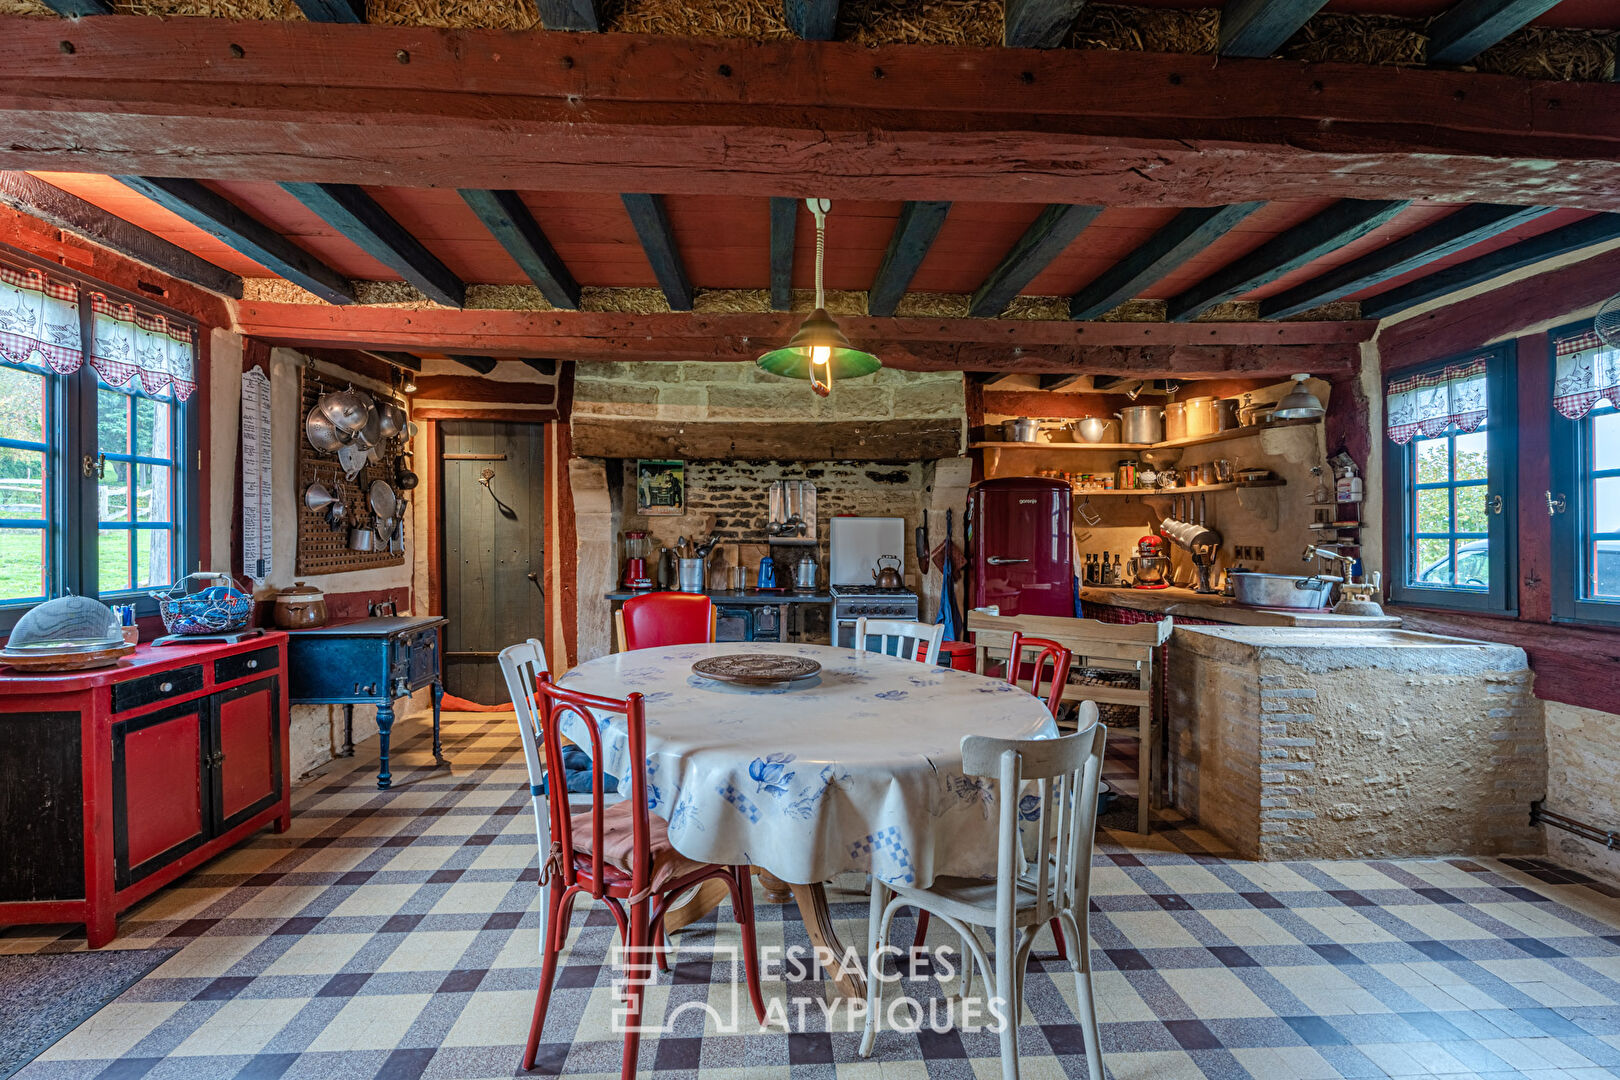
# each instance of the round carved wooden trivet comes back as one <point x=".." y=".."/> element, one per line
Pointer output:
<point x="756" y="669"/>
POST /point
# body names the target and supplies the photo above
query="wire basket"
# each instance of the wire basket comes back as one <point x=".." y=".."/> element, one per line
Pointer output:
<point x="221" y="609"/>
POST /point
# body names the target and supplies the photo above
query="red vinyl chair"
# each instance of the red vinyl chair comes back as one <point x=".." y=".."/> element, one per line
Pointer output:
<point x="665" y="618"/>
<point x="1053" y="658"/>
<point x="619" y="854"/>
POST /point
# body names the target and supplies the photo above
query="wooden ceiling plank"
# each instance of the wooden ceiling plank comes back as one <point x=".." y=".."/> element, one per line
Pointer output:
<point x="508" y="219"/>
<point x="230" y="225"/>
<point x="1469" y="27"/>
<point x="1187" y="234"/>
<point x="784" y="227"/>
<point x="333" y="11"/>
<point x="349" y="210"/>
<point x="1258" y="28"/>
<point x="1467" y="227"/>
<point x="813" y="20"/>
<point x="63" y="210"/>
<point x="1044" y="240"/>
<point x="569" y="14"/>
<point x="481" y="364"/>
<point x="1339" y="224"/>
<point x="1038" y="24"/>
<point x="651" y="220"/>
<point x="1567" y="240"/>
<point x="913" y="235"/>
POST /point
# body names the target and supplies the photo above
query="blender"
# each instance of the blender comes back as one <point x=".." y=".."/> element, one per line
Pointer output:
<point x="635" y="561"/>
<point x="1150" y="567"/>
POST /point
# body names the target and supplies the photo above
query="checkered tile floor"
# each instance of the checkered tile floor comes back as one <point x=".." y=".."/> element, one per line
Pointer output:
<point x="393" y="936"/>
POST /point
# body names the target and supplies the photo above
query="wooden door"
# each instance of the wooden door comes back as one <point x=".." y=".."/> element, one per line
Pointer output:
<point x="493" y="534"/>
<point x="161" y="797"/>
<point x="247" y="738"/>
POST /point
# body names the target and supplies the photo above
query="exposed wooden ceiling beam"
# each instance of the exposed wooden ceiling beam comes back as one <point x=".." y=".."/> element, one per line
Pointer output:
<point x="1469" y="27"/>
<point x="333" y="11"/>
<point x="1188" y="233"/>
<point x="813" y="20"/>
<point x="913" y="235"/>
<point x="508" y="219"/>
<point x="1571" y="238"/>
<point x="648" y="215"/>
<point x="61" y="210"/>
<point x="401" y="360"/>
<point x="543" y="366"/>
<point x="356" y="215"/>
<point x="1259" y="28"/>
<point x="76" y="8"/>
<point x="593" y="112"/>
<point x="481" y="364"/>
<point x="1060" y="382"/>
<point x="569" y="14"/>
<point x="1328" y="231"/>
<point x="231" y="226"/>
<point x="1044" y="240"/>
<point x="784" y="226"/>
<point x="1000" y="378"/>
<point x="1038" y="24"/>
<point x="1449" y="235"/>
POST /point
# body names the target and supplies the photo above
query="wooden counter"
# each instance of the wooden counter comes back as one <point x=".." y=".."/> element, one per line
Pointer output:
<point x="1223" y="609"/>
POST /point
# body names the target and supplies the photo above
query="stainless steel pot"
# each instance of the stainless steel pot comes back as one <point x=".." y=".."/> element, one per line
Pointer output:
<point x="1022" y="429"/>
<point x="362" y="539"/>
<point x="806" y="573"/>
<point x="1091" y="429"/>
<point x="348" y="410"/>
<point x="1142" y="424"/>
<point x="1280" y="590"/>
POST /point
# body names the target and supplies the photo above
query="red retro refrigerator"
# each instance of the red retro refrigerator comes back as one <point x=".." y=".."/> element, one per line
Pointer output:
<point x="1020" y="546"/>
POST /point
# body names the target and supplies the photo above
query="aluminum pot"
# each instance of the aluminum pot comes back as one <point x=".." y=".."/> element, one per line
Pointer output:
<point x="362" y="539"/>
<point x="1022" y="429"/>
<point x="347" y="409"/>
<point x="1175" y="420"/>
<point x="1142" y="424"/>
<point x="1280" y="590"/>
<point x="1200" y="417"/>
<point x="1091" y="429"/>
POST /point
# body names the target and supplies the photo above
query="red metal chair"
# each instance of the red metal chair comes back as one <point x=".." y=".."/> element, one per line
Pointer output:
<point x="1056" y="659"/>
<point x="619" y="854"/>
<point x="665" y="618"/>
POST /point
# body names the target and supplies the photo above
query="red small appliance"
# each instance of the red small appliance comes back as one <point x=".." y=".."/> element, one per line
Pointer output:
<point x="1150" y="567"/>
<point x="635" y="561"/>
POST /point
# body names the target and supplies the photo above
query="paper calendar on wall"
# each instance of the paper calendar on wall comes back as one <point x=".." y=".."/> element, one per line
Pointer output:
<point x="257" y="515"/>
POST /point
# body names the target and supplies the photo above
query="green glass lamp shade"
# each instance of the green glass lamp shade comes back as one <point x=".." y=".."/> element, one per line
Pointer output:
<point x="819" y="330"/>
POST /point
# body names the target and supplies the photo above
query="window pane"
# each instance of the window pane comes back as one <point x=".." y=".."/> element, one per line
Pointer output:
<point x="1606" y="440"/>
<point x="1606" y="570"/>
<point x="22" y="564"/>
<point x="152" y="486"/>
<point x="1433" y="461"/>
<point x="1471" y="516"/>
<point x="1434" y="562"/>
<point x="22" y="404"/>
<point x="1606" y="504"/>
<point x="1471" y="456"/>
<point x="153" y="565"/>
<point x="1473" y="564"/>
<point x="1434" y="511"/>
<point x="22" y="483"/>
<point x="112" y="494"/>
<point x="113" y="553"/>
<point x="152" y="428"/>
<point x="112" y="421"/>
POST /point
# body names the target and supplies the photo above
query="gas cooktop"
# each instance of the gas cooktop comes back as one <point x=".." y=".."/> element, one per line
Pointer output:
<point x="869" y="590"/>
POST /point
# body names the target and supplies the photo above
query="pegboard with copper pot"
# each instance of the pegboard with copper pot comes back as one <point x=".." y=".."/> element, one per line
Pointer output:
<point x="324" y="530"/>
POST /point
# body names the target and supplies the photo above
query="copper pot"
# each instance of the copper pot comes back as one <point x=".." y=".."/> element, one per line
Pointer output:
<point x="888" y="577"/>
<point x="299" y="607"/>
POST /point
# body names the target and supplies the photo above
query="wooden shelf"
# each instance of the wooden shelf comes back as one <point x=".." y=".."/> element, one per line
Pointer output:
<point x="1165" y="493"/>
<point x="1200" y="440"/>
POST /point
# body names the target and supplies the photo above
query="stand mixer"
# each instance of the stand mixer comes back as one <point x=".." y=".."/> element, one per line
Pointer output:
<point x="1150" y="566"/>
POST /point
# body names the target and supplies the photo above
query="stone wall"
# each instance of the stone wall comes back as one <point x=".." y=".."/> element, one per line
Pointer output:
<point x="1583" y="782"/>
<point x="1354" y="744"/>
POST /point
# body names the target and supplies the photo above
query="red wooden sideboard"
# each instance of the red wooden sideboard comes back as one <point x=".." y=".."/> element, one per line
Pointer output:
<point x="115" y="782"/>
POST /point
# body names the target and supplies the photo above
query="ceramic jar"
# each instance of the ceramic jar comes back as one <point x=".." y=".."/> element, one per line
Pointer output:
<point x="299" y="607"/>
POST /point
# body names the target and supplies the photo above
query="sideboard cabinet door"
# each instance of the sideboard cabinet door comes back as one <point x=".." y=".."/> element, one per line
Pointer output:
<point x="160" y="799"/>
<point x="247" y="733"/>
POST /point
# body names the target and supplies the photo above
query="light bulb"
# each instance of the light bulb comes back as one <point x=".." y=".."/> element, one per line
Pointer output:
<point x="820" y="355"/>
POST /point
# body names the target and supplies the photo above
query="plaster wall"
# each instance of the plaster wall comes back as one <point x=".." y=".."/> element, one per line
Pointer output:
<point x="1583" y="782"/>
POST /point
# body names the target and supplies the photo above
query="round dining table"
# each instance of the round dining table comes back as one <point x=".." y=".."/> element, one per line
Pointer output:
<point x="858" y="768"/>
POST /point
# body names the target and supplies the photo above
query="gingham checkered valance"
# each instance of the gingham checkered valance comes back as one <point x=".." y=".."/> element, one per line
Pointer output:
<point x="39" y="321"/>
<point x="1587" y="372"/>
<point x="131" y="344"/>
<point x="1436" y="401"/>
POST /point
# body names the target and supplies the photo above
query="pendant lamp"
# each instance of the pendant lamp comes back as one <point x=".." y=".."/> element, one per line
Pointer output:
<point x="819" y="351"/>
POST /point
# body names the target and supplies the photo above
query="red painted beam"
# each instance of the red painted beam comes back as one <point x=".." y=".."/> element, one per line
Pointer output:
<point x="309" y="102"/>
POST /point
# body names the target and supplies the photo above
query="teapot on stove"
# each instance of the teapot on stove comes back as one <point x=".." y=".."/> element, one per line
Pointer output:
<point x="888" y="577"/>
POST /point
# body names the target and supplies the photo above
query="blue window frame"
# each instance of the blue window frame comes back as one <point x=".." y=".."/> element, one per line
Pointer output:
<point x="1585" y="501"/>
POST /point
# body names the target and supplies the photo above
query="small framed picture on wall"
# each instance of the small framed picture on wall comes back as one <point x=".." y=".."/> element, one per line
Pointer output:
<point x="660" y="488"/>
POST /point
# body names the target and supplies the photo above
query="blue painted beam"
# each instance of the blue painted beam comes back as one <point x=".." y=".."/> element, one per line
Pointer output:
<point x="913" y="235"/>
<point x="1167" y="250"/>
<point x="506" y="217"/>
<point x="1258" y="28"/>
<point x="648" y="215"/>
<point x="813" y="20"/>
<point x="1038" y="24"/>
<point x="349" y="210"/>
<point x="1045" y="239"/>
<point x="1470" y="27"/>
<point x="784" y="227"/>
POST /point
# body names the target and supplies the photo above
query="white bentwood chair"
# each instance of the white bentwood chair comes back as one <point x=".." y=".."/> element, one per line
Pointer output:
<point x="1055" y="881"/>
<point x="906" y="636"/>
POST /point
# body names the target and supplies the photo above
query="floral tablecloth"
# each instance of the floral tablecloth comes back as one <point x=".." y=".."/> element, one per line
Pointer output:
<point x="859" y="768"/>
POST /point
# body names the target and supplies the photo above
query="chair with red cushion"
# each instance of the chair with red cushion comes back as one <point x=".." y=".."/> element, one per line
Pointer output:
<point x="1054" y="659"/>
<point x="665" y="618"/>
<point x="619" y="854"/>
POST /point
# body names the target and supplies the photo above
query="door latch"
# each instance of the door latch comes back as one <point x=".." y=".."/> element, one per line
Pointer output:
<point x="94" y="466"/>
<point x="1555" y="505"/>
<point x="1496" y="504"/>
